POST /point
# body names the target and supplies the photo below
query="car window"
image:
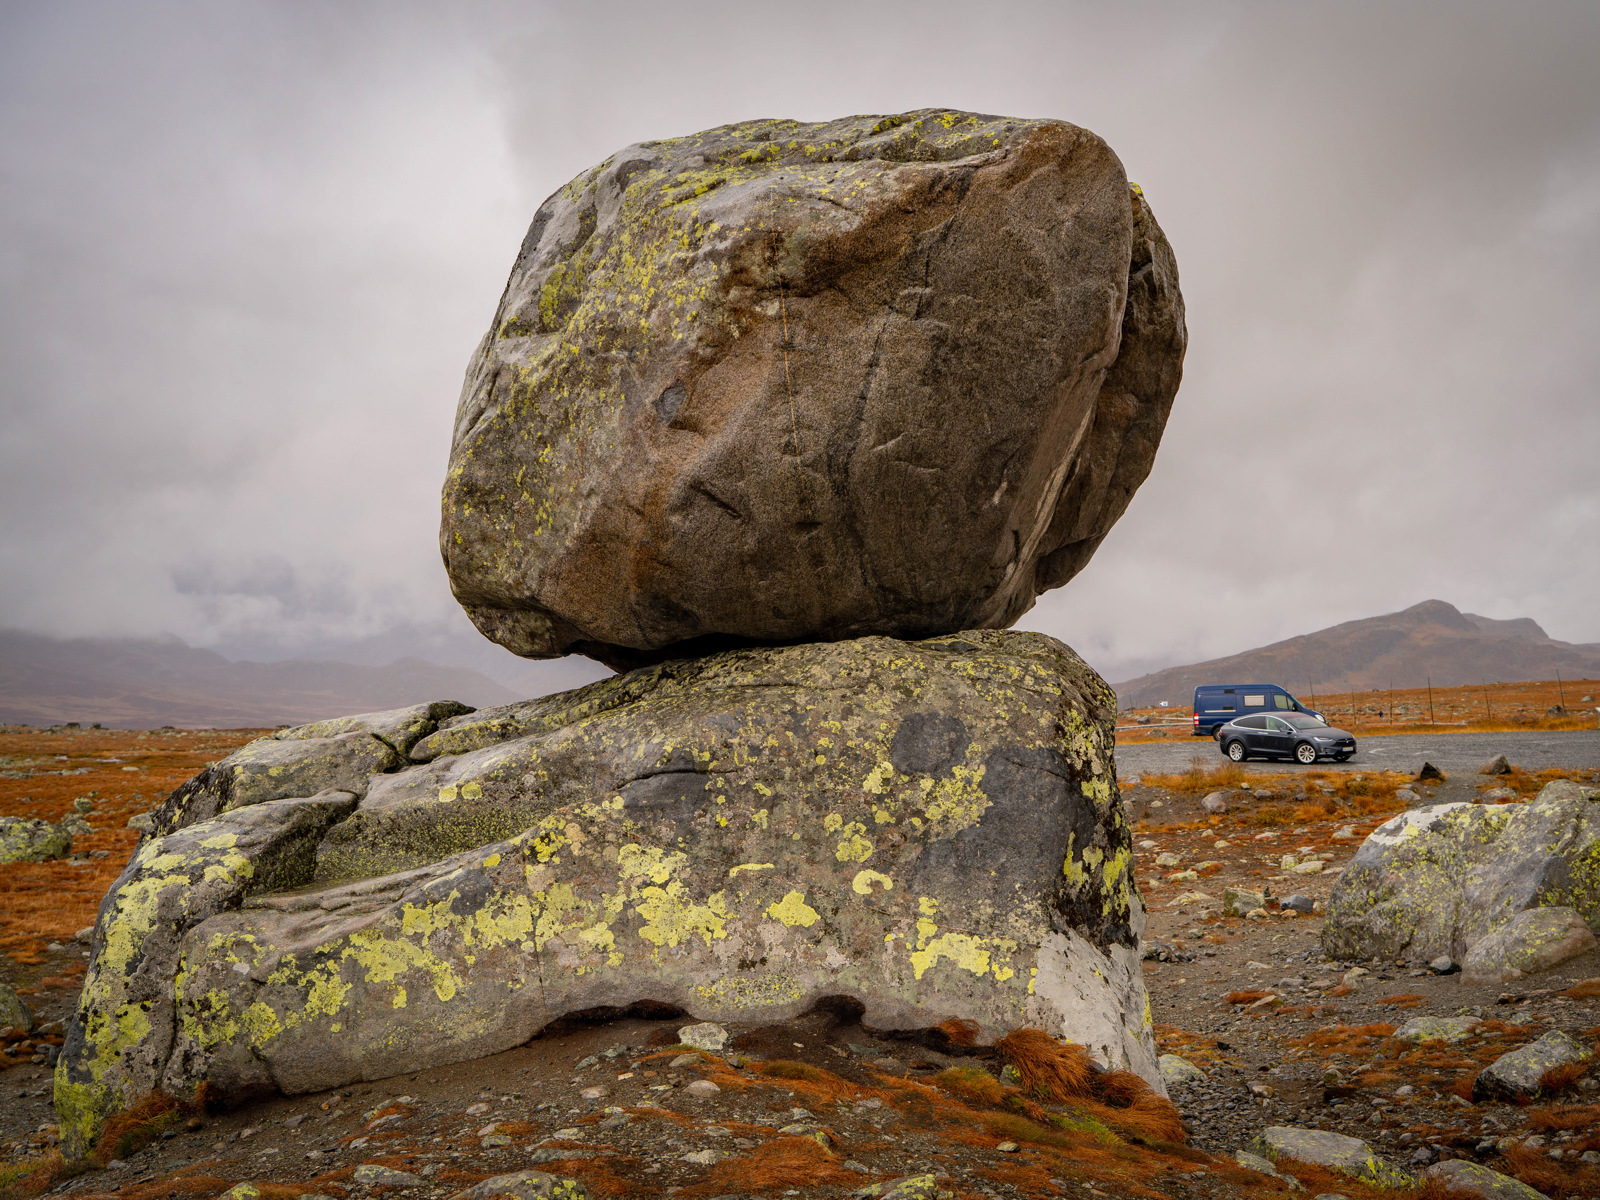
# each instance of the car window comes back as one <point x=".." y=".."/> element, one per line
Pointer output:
<point x="1281" y="701"/>
<point x="1277" y="726"/>
<point x="1301" y="721"/>
<point x="1249" y="722"/>
<point x="1257" y="701"/>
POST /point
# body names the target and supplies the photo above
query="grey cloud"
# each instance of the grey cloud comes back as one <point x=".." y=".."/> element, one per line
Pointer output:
<point x="246" y="250"/>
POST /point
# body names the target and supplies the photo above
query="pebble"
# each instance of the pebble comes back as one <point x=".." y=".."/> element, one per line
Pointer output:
<point x="707" y="1035"/>
<point x="702" y="1087"/>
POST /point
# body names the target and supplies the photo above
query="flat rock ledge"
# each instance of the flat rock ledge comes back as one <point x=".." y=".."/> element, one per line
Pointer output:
<point x="928" y="827"/>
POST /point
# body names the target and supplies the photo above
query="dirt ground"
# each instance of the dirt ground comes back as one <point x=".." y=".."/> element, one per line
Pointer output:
<point x="821" y="1106"/>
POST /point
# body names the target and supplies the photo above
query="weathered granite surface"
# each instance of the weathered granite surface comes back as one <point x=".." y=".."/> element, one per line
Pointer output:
<point x="779" y="382"/>
<point x="930" y="827"/>
<point x="1435" y="880"/>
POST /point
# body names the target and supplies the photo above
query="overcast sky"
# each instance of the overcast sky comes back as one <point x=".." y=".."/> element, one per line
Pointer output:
<point x="247" y="249"/>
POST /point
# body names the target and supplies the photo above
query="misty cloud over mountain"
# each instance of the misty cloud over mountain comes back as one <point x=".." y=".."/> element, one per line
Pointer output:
<point x="247" y="250"/>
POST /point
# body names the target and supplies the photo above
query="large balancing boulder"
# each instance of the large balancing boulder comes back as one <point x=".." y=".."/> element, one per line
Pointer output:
<point x="1438" y="880"/>
<point x="929" y="827"/>
<point x="780" y="382"/>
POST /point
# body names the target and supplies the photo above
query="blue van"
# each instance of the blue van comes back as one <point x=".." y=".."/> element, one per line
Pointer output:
<point x="1215" y="704"/>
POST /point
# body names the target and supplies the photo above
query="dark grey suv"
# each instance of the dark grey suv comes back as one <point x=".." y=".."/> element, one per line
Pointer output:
<point x="1293" y="735"/>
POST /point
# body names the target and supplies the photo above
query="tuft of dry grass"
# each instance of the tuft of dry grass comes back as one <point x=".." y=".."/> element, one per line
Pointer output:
<point x="1563" y="1116"/>
<point x="1583" y="990"/>
<point x="783" y="1162"/>
<point x="1558" y="1181"/>
<point x="961" y="1032"/>
<point x="1066" y="1074"/>
<point x="1560" y="1078"/>
<point x="1245" y="997"/>
<point x="1405" y="1000"/>
<point x="1048" y="1069"/>
<point x="135" y="1127"/>
<point x="972" y="1084"/>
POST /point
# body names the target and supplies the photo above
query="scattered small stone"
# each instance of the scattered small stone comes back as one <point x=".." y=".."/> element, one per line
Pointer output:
<point x="1175" y="1069"/>
<point x="594" y="1093"/>
<point x="684" y="1060"/>
<point x="1430" y="772"/>
<point x="1496" y="766"/>
<point x="14" y="1011"/>
<point x="1216" y="803"/>
<point x="1346" y="1155"/>
<point x="702" y="1087"/>
<point x="707" y="1035"/>
<point x="1518" y="1074"/>
<point x="523" y="1185"/>
<point x="1443" y="965"/>
<point x="1300" y="904"/>
<point x="1436" y="1029"/>
<point x="906" y="1187"/>
<point x="1237" y="902"/>
<point x="375" y="1175"/>
<point x="1008" y="1147"/>
<point x="1254" y="1162"/>
<point x="1460" y="1175"/>
<point x="704" y="1158"/>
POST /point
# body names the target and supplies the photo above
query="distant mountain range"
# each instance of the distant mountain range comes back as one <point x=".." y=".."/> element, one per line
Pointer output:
<point x="128" y="684"/>
<point x="1432" y="640"/>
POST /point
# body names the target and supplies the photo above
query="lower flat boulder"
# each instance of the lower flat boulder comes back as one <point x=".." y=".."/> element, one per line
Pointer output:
<point x="929" y="827"/>
<point x="1435" y="880"/>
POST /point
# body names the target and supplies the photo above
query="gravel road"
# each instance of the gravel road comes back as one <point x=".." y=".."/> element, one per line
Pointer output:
<point x="1450" y="752"/>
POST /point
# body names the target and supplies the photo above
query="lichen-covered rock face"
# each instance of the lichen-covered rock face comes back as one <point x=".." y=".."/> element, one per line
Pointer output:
<point x="779" y="382"/>
<point x="1335" y="1151"/>
<point x="340" y="754"/>
<point x="1534" y="940"/>
<point x="931" y="828"/>
<point x="1519" y="1074"/>
<point x="1435" y="880"/>
<point x="25" y="839"/>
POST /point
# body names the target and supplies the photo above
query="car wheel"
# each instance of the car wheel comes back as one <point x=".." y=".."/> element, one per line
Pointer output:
<point x="1235" y="750"/>
<point x="1305" y="753"/>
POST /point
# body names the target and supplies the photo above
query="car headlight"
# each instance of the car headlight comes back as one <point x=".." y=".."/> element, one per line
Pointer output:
<point x="1321" y="739"/>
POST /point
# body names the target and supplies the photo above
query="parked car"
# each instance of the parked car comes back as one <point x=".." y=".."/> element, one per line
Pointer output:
<point x="1299" y="736"/>
<point x="1215" y="704"/>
